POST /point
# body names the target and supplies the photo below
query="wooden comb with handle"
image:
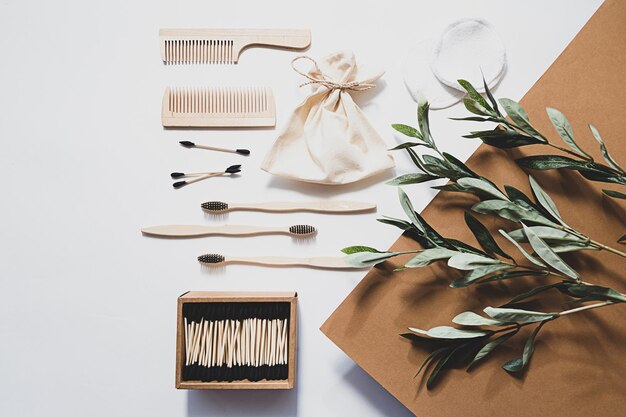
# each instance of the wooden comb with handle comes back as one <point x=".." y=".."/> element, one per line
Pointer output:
<point x="223" y="46"/>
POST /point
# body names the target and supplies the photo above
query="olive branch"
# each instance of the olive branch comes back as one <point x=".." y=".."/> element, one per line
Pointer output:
<point x="540" y="226"/>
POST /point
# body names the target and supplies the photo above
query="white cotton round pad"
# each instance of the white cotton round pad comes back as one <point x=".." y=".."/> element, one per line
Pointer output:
<point x="432" y="66"/>
<point x="469" y="49"/>
<point x="422" y="83"/>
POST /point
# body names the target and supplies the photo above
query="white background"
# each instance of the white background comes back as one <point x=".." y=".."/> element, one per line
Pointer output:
<point x="88" y="305"/>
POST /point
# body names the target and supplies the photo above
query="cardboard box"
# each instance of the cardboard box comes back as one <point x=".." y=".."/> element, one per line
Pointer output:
<point x="237" y="297"/>
<point x="579" y="366"/>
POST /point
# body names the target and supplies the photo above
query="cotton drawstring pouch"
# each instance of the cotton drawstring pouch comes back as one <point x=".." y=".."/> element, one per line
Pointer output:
<point x="328" y="139"/>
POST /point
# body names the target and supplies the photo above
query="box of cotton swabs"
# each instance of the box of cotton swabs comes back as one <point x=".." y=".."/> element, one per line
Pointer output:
<point x="236" y="340"/>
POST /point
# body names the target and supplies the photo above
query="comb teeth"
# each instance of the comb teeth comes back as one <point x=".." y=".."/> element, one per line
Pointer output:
<point x="198" y="51"/>
<point x="211" y="258"/>
<point x="218" y="100"/>
<point x="215" y="206"/>
<point x="218" y="107"/>
<point x="302" y="229"/>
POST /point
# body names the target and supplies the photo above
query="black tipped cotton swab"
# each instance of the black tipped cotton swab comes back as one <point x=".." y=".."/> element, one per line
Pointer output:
<point x="199" y="176"/>
<point x="188" y="144"/>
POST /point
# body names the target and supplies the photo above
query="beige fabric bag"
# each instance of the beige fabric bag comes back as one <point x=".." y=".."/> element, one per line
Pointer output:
<point x="328" y="140"/>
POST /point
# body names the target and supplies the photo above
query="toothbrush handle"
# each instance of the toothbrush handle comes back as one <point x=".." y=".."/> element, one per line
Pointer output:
<point x="199" y="231"/>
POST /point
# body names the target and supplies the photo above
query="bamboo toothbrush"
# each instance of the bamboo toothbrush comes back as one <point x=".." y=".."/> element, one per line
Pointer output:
<point x="320" y="206"/>
<point x="199" y="176"/>
<point x="300" y="230"/>
<point x="188" y="144"/>
<point x="324" y="262"/>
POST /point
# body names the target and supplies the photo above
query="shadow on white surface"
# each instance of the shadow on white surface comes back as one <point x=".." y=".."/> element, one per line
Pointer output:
<point x="242" y="403"/>
<point x="372" y="392"/>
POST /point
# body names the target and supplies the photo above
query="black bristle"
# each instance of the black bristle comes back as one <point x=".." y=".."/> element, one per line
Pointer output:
<point x="302" y="229"/>
<point x="243" y="151"/>
<point x="233" y="169"/>
<point x="187" y="144"/>
<point x="215" y="206"/>
<point x="211" y="258"/>
<point x="179" y="184"/>
<point x="177" y="174"/>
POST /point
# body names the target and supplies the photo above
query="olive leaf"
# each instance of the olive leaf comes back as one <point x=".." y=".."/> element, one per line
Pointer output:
<point x="478" y="273"/>
<point x="517" y="113"/>
<point x="407" y="130"/>
<point x="367" y="259"/>
<point x="514" y="315"/>
<point x="522" y="250"/>
<point x="546" y="233"/>
<point x="407" y="145"/>
<point x="481" y="185"/>
<point x="424" y="124"/>
<point x="510" y="211"/>
<point x="614" y="194"/>
<point x="564" y="129"/>
<point x="546" y="162"/>
<point x="516" y="365"/>
<point x="533" y="292"/>
<point x="605" y="153"/>
<point x="470" y="261"/>
<point x="411" y="179"/>
<point x="428" y="256"/>
<point x="512" y="274"/>
<point x="475" y="95"/>
<point x="596" y="292"/>
<point x="357" y="249"/>
<point x="548" y="255"/>
<point x="469" y="318"/>
<point x="491" y="346"/>
<point x="449" y="332"/>
<point x="544" y="200"/>
<point x="483" y="236"/>
<point x="431" y="356"/>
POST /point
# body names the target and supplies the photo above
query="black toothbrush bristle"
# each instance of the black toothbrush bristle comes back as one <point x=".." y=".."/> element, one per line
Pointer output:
<point x="302" y="229"/>
<point x="243" y="151"/>
<point x="187" y="144"/>
<point x="211" y="258"/>
<point x="215" y="206"/>
<point x="177" y="174"/>
<point x="179" y="184"/>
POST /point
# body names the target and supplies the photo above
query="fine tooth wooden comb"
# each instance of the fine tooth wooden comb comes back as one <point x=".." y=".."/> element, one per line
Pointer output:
<point x="218" y="107"/>
<point x="299" y="230"/>
<point x="322" y="206"/>
<point x="322" y="262"/>
<point x="223" y="46"/>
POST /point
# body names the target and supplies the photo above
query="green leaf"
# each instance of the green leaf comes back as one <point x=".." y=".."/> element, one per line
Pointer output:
<point x="357" y="249"/>
<point x="522" y="251"/>
<point x="571" y="247"/>
<point x="522" y="199"/>
<point x="440" y="167"/>
<point x="441" y="365"/>
<point x="428" y="256"/>
<point x="517" y="113"/>
<point x="407" y="145"/>
<point x="460" y="166"/>
<point x="546" y="162"/>
<point x="491" y="346"/>
<point x="411" y="179"/>
<point x="544" y="200"/>
<point x="449" y="332"/>
<point x="470" y="261"/>
<point x="464" y="247"/>
<point x="510" y="211"/>
<point x="483" y="236"/>
<point x="516" y="365"/>
<point x="546" y="233"/>
<point x="514" y="315"/>
<point x="532" y="292"/>
<point x="469" y="318"/>
<point x="509" y="275"/>
<point x="474" y="119"/>
<point x="596" y="292"/>
<point x="475" y="107"/>
<point x="422" y="120"/>
<point x="605" y="153"/>
<point x="510" y="140"/>
<point x="564" y="129"/>
<point x="622" y="239"/>
<point x="478" y="273"/>
<point x="450" y="187"/>
<point x="407" y="131"/>
<point x="407" y="206"/>
<point x="431" y="356"/>
<point x="614" y="194"/>
<point x="492" y="100"/>
<point x="474" y="95"/>
<point x="481" y="186"/>
<point x="367" y="259"/>
<point x="548" y="255"/>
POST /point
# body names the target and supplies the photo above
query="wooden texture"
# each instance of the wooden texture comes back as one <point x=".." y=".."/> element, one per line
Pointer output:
<point x="579" y="366"/>
<point x="184" y="46"/>
<point x="218" y="107"/>
<point x="183" y="230"/>
<point x="229" y="297"/>
<point x="320" y="206"/>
